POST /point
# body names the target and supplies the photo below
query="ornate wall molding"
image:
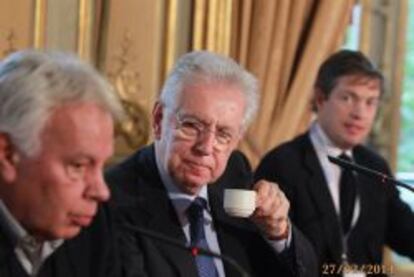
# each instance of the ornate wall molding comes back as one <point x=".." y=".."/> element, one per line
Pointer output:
<point x="39" y="24"/>
<point x="16" y="25"/>
<point x="130" y="50"/>
<point x="134" y="130"/>
<point x="10" y="44"/>
<point x="85" y="29"/>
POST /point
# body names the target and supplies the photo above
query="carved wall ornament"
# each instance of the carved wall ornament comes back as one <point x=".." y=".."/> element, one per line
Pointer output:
<point x="134" y="129"/>
<point x="10" y="44"/>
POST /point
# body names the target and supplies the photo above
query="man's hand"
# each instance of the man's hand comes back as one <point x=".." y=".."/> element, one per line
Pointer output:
<point x="272" y="207"/>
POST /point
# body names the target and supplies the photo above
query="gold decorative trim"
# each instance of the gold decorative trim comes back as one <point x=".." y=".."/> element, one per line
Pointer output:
<point x="171" y="43"/>
<point x="213" y="14"/>
<point x="85" y="28"/>
<point x="200" y="8"/>
<point x="39" y="24"/>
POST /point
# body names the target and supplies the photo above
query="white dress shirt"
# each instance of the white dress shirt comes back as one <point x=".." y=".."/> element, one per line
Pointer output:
<point x="181" y="201"/>
<point x="324" y="147"/>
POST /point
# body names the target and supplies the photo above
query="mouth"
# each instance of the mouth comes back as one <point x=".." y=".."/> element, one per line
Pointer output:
<point x="353" y="128"/>
<point x="197" y="166"/>
<point x="82" y="220"/>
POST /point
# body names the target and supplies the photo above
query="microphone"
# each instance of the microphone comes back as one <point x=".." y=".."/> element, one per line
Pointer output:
<point x="369" y="172"/>
<point x="194" y="250"/>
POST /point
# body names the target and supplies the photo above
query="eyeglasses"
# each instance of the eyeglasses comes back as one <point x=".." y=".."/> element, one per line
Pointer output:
<point x="191" y="128"/>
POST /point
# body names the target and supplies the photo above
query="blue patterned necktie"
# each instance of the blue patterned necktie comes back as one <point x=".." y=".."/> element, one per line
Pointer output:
<point x="205" y="264"/>
<point x="347" y="195"/>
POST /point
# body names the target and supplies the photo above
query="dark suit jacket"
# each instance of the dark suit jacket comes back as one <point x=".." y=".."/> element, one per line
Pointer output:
<point x="141" y="200"/>
<point x="384" y="218"/>
<point x="90" y="254"/>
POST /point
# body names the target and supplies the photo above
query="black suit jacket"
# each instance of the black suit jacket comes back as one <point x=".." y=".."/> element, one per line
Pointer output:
<point x="384" y="218"/>
<point x="141" y="200"/>
<point x="90" y="254"/>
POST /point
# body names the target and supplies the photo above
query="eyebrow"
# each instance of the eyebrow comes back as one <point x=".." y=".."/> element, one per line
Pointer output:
<point x="195" y="117"/>
<point x="205" y="122"/>
<point x="352" y="93"/>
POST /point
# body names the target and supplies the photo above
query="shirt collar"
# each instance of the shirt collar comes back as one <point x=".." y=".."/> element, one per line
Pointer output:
<point x="323" y="143"/>
<point x="18" y="233"/>
<point x="181" y="201"/>
<point x="13" y="228"/>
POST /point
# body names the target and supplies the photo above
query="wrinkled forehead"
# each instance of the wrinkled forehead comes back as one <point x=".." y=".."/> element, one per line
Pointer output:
<point x="211" y="93"/>
<point x="192" y="89"/>
<point x="212" y="103"/>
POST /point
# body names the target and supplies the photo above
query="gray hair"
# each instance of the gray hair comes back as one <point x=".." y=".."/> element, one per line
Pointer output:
<point x="33" y="83"/>
<point x="206" y="67"/>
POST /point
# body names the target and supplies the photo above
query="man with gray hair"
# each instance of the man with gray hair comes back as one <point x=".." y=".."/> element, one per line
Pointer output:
<point x="56" y="132"/>
<point x="204" y="108"/>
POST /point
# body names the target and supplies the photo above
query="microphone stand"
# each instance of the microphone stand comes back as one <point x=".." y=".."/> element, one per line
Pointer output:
<point x="194" y="250"/>
<point x="369" y="172"/>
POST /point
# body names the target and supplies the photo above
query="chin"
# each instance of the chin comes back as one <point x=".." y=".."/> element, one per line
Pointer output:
<point x="199" y="181"/>
<point x="68" y="232"/>
<point x="352" y="142"/>
<point x="191" y="186"/>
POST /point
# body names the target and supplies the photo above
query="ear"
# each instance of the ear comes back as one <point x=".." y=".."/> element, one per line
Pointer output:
<point x="157" y="116"/>
<point x="320" y="98"/>
<point x="9" y="158"/>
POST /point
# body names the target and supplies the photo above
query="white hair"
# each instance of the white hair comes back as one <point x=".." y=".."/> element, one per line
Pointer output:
<point x="33" y="83"/>
<point x="206" y="67"/>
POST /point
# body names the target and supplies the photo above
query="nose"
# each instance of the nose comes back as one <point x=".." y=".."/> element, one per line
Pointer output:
<point x="358" y="110"/>
<point x="97" y="189"/>
<point x="205" y="143"/>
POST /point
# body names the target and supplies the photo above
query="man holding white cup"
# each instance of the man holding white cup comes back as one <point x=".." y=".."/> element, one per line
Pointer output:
<point x="204" y="108"/>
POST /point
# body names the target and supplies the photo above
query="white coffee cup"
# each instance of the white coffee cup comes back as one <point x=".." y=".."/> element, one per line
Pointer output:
<point x="239" y="202"/>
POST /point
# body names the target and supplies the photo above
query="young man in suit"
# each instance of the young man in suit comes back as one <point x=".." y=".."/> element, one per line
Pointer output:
<point x="205" y="106"/>
<point x="56" y="132"/>
<point x="348" y="217"/>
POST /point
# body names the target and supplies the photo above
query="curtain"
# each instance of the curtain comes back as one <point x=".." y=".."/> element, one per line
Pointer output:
<point x="283" y="43"/>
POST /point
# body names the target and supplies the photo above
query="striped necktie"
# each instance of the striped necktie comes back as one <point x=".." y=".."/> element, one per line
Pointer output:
<point x="205" y="264"/>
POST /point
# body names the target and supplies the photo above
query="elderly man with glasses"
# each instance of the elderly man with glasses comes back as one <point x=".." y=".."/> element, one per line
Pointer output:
<point x="175" y="186"/>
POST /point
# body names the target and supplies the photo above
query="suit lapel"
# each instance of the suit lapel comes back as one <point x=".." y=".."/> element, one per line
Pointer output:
<point x="67" y="261"/>
<point x="167" y="224"/>
<point x="9" y="264"/>
<point x="319" y="192"/>
<point x="157" y="213"/>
